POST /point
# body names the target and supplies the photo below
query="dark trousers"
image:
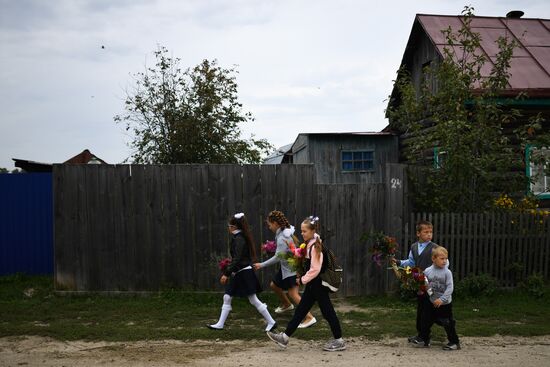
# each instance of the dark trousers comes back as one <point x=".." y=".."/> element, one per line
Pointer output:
<point x="419" y="304"/>
<point x="315" y="292"/>
<point x="442" y="315"/>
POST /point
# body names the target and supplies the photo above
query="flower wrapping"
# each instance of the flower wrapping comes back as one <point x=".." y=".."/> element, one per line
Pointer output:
<point x="294" y="256"/>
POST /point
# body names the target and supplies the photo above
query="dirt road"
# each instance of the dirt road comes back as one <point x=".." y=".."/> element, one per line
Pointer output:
<point x="493" y="351"/>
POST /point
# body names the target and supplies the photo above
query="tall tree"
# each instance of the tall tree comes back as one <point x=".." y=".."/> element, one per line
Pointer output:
<point x="188" y="116"/>
<point x="479" y="141"/>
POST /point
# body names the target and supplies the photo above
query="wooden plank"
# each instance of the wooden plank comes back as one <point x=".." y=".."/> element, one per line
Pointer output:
<point x="172" y="249"/>
<point x="252" y="202"/>
<point x="66" y="230"/>
<point x="107" y="270"/>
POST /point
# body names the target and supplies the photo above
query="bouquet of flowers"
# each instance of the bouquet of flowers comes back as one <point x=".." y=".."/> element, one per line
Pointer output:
<point x="223" y="264"/>
<point x="383" y="246"/>
<point x="294" y="256"/>
<point x="412" y="279"/>
<point x="269" y="247"/>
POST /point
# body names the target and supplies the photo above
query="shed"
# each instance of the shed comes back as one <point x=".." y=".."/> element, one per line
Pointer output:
<point x="352" y="157"/>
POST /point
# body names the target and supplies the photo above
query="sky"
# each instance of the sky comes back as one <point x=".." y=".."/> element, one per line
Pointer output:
<point x="303" y="66"/>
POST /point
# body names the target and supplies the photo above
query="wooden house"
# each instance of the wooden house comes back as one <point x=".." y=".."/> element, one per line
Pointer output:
<point x="85" y="157"/>
<point x="529" y="71"/>
<point x="359" y="157"/>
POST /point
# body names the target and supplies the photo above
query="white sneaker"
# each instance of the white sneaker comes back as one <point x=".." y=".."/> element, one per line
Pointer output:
<point x="304" y="325"/>
<point x="281" y="339"/>
<point x="284" y="309"/>
<point x="335" y="345"/>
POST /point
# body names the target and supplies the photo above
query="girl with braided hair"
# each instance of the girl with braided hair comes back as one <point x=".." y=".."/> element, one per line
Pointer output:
<point x="238" y="277"/>
<point x="285" y="278"/>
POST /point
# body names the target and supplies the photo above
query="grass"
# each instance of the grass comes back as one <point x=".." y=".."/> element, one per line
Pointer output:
<point x="29" y="306"/>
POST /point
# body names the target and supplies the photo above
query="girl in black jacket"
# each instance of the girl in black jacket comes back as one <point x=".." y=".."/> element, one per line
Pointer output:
<point x="239" y="277"/>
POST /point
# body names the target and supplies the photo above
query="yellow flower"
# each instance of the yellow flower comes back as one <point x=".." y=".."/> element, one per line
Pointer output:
<point x="408" y="270"/>
<point x="303" y="245"/>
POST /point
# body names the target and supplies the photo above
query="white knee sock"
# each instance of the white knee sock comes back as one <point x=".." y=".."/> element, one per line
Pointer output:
<point x="226" y="307"/>
<point x="262" y="309"/>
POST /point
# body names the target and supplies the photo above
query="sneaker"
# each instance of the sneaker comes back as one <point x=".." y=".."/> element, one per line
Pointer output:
<point x="451" y="346"/>
<point x="411" y="339"/>
<point x="280" y="338"/>
<point x="335" y="345"/>
<point x="214" y="327"/>
<point x="284" y="309"/>
<point x="304" y="325"/>
<point x="418" y="341"/>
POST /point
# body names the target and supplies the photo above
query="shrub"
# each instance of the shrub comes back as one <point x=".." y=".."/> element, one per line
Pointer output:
<point x="476" y="286"/>
<point x="534" y="285"/>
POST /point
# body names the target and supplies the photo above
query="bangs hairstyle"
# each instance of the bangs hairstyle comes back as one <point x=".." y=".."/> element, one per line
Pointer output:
<point x="439" y="250"/>
<point x="242" y="224"/>
<point x="313" y="223"/>
<point x="423" y="223"/>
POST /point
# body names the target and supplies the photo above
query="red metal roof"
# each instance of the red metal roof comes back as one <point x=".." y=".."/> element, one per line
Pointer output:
<point x="530" y="64"/>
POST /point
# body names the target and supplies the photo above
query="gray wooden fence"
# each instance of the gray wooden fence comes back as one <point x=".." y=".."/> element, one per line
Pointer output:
<point x="508" y="246"/>
<point x="148" y="227"/>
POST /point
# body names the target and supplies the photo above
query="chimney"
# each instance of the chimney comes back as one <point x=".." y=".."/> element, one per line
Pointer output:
<point x="515" y="14"/>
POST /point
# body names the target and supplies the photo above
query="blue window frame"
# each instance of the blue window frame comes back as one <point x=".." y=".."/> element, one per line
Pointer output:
<point x="539" y="182"/>
<point x="358" y="161"/>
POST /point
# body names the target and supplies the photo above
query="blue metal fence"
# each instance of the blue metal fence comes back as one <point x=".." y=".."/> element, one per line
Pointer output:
<point x="26" y="223"/>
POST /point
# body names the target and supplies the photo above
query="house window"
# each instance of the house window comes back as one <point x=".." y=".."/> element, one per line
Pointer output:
<point x="537" y="171"/>
<point x="439" y="157"/>
<point x="354" y="161"/>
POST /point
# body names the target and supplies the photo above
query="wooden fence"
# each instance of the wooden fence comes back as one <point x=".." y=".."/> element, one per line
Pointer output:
<point x="148" y="227"/>
<point x="507" y="246"/>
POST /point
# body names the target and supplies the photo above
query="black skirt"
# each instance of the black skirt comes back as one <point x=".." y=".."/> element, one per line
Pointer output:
<point x="285" y="283"/>
<point x="243" y="284"/>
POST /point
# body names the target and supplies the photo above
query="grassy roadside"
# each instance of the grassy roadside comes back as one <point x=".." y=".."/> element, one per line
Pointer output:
<point x="28" y="306"/>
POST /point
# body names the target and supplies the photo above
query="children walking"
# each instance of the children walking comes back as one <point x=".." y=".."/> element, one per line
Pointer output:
<point x="437" y="306"/>
<point x="314" y="264"/>
<point x="285" y="278"/>
<point x="420" y="255"/>
<point x="239" y="278"/>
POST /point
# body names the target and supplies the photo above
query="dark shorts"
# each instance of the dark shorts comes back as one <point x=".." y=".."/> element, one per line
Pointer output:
<point x="243" y="284"/>
<point x="286" y="283"/>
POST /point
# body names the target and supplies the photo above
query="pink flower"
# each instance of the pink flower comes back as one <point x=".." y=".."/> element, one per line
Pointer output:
<point x="223" y="264"/>
<point x="269" y="247"/>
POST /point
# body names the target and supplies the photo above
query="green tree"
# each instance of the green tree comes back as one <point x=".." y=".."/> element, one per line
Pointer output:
<point x="478" y="140"/>
<point x="188" y="116"/>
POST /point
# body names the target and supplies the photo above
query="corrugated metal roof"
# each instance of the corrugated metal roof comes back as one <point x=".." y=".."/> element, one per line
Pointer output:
<point x="371" y="133"/>
<point x="278" y="155"/>
<point x="530" y="64"/>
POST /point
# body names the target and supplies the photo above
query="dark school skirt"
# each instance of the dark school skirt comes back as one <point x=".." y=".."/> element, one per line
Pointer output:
<point x="285" y="283"/>
<point x="243" y="284"/>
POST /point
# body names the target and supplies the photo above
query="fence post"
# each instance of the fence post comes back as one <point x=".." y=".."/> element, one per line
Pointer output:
<point x="395" y="182"/>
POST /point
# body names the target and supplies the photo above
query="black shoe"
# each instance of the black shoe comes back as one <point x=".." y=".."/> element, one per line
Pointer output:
<point x="452" y="346"/>
<point x="418" y="341"/>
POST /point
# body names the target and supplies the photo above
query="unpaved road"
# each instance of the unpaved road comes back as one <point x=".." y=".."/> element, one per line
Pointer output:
<point x="493" y="351"/>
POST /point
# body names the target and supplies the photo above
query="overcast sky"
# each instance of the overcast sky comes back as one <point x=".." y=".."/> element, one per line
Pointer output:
<point x="304" y="66"/>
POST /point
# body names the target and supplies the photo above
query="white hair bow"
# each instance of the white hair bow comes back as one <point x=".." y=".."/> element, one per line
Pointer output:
<point x="239" y="215"/>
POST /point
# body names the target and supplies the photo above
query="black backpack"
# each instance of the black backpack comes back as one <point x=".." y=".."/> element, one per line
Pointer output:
<point x="331" y="272"/>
